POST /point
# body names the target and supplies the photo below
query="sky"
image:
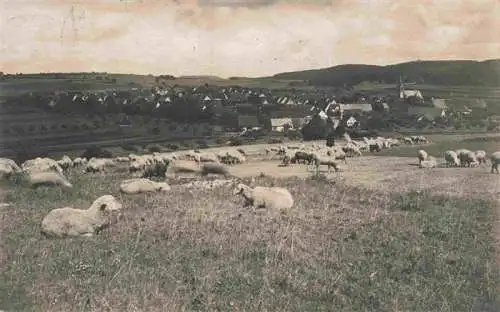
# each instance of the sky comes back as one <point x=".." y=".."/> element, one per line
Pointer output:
<point x="240" y="37"/>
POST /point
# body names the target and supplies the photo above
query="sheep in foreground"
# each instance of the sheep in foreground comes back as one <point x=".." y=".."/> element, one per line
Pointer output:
<point x="430" y="162"/>
<point x="48" y="178"/>
<point x="68" y="221"/>
<point x="265" y="197"/>
<point x="451" y="158"/>
<point x="422" y="156"/>
<point x="142" y="185"/>
<point x="495" y="161"/>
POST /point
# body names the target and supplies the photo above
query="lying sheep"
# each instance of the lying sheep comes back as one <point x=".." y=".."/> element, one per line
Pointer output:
<point x="40" y="164"/>
<point x="422" y="156"/>
<point x="67" y="221"/>
<point x="48" y="178"/>
<point x="265" y="197"/>
<point x="142" y="185"/>
<point x="183" y="166"/>
<point x="451" y="158"/>
<point x="480" y="156"/>
<point x="429" y="162"/>
<point x="495" y="161"/>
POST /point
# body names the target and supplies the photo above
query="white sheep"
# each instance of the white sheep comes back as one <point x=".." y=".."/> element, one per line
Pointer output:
<point x="467" y="158"/>
<point x="41" y="164"/>
<point x="142" y="185"/>
<point x="481" y="156"/>
<point x="98" y="164"/>
<point x="422" y="156"/>
<point x="79" y="161"/>
<point x="10" y="163"/>
<point x="451" y="158"/>
<point x="65" y="162"/>
<point x="265" y="197"/>
<point x="48" y="178"/>
<point x="68" y="221"/>
<point x="429" y="162"/>
<point x="495" y="161"/>
<point x="318" y="160"/>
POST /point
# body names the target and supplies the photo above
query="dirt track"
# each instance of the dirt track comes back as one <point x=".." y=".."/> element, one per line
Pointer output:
<point x="391" y="174"/>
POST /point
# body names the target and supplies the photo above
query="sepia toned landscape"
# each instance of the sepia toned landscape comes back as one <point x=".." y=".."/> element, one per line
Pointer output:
<point x="235" y="177"/>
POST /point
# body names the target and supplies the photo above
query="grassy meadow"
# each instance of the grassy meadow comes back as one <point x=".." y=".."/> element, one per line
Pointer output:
<point x="341" y="248"/>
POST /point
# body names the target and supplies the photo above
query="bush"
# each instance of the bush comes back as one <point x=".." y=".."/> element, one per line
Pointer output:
<point x="236" y="141"/>
<point x="202" y="143"/>
<point x="154" y="149"/>
<point x="275" y="141"/>
<point x="97" y="152"/>
<point x="220" y="141"/>
<point x="172" y="147"/>
<point x="130" y="148"/>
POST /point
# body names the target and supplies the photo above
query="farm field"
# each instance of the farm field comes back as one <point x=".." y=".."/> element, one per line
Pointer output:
<point x="380" y="235"/>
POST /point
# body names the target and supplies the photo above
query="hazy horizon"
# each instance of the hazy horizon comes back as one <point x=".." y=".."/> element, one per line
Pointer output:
<point x="240" y="37"/>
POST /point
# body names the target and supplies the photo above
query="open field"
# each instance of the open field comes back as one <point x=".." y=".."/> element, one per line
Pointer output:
<point x="381" y="235"/>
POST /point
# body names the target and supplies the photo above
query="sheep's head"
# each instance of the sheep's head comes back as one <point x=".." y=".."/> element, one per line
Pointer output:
<point x="106" y="203"/>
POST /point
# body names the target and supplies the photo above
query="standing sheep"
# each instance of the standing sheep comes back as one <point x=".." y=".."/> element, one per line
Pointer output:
<point x="429" y="162"/>
<point x="481" y="157"/>
<point x="319" y="160"/>
<point x="495" y="161"/>
<point x="67" y="221"/>
<point x="422" y="156"/>
<point x="451" y="158"/>
<point x="265" y="197"/>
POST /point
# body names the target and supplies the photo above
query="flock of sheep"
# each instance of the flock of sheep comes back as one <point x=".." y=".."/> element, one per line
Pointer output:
<point x="460" y="158"/>
<point x="69" y="221"/>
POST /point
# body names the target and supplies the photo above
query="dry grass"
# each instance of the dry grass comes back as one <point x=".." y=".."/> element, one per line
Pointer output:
<point x="341" y="248"/>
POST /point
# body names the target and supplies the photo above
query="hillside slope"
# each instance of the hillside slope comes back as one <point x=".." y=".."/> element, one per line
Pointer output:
<point x="476" y="73"/>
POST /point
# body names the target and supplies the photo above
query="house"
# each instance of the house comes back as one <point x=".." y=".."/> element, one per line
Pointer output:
<point x="439" y="103"/>
<point x="279" y="124"/>
<point x="248" y="121"/>
<point x="351" y="122"/>
<point x="430" y="113"/>
<point x="404" y="94"/>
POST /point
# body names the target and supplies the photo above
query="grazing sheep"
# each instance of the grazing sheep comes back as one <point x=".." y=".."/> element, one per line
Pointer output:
<point x="481" y="156"/>
<point x="122" y="159"/>
<point x="48" y="178"/>
<point x="65" y="162"/>
<point x="467" y="158"/>
<point x="407" y="140"/>
<point x="422" y="156"/>
<point x="142" y="185"/>
<point x="67" y="221"/>
<point x="98" y="164"/>
<point x="79" y="161"/>
<point x="10" y="163"/>
<point x="301" y="156"/>
<point x="8" y="167"/>
<point x="265" y="197"/>
<point x="319" y="160"/>
<point x="208" y="157"/>
<point x="495" y="161"/>
<point x="451" y="158"/>
<point x="429" y="162"/>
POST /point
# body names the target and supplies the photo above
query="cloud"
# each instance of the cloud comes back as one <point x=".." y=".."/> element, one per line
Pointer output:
<point x="239" y="37"/>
